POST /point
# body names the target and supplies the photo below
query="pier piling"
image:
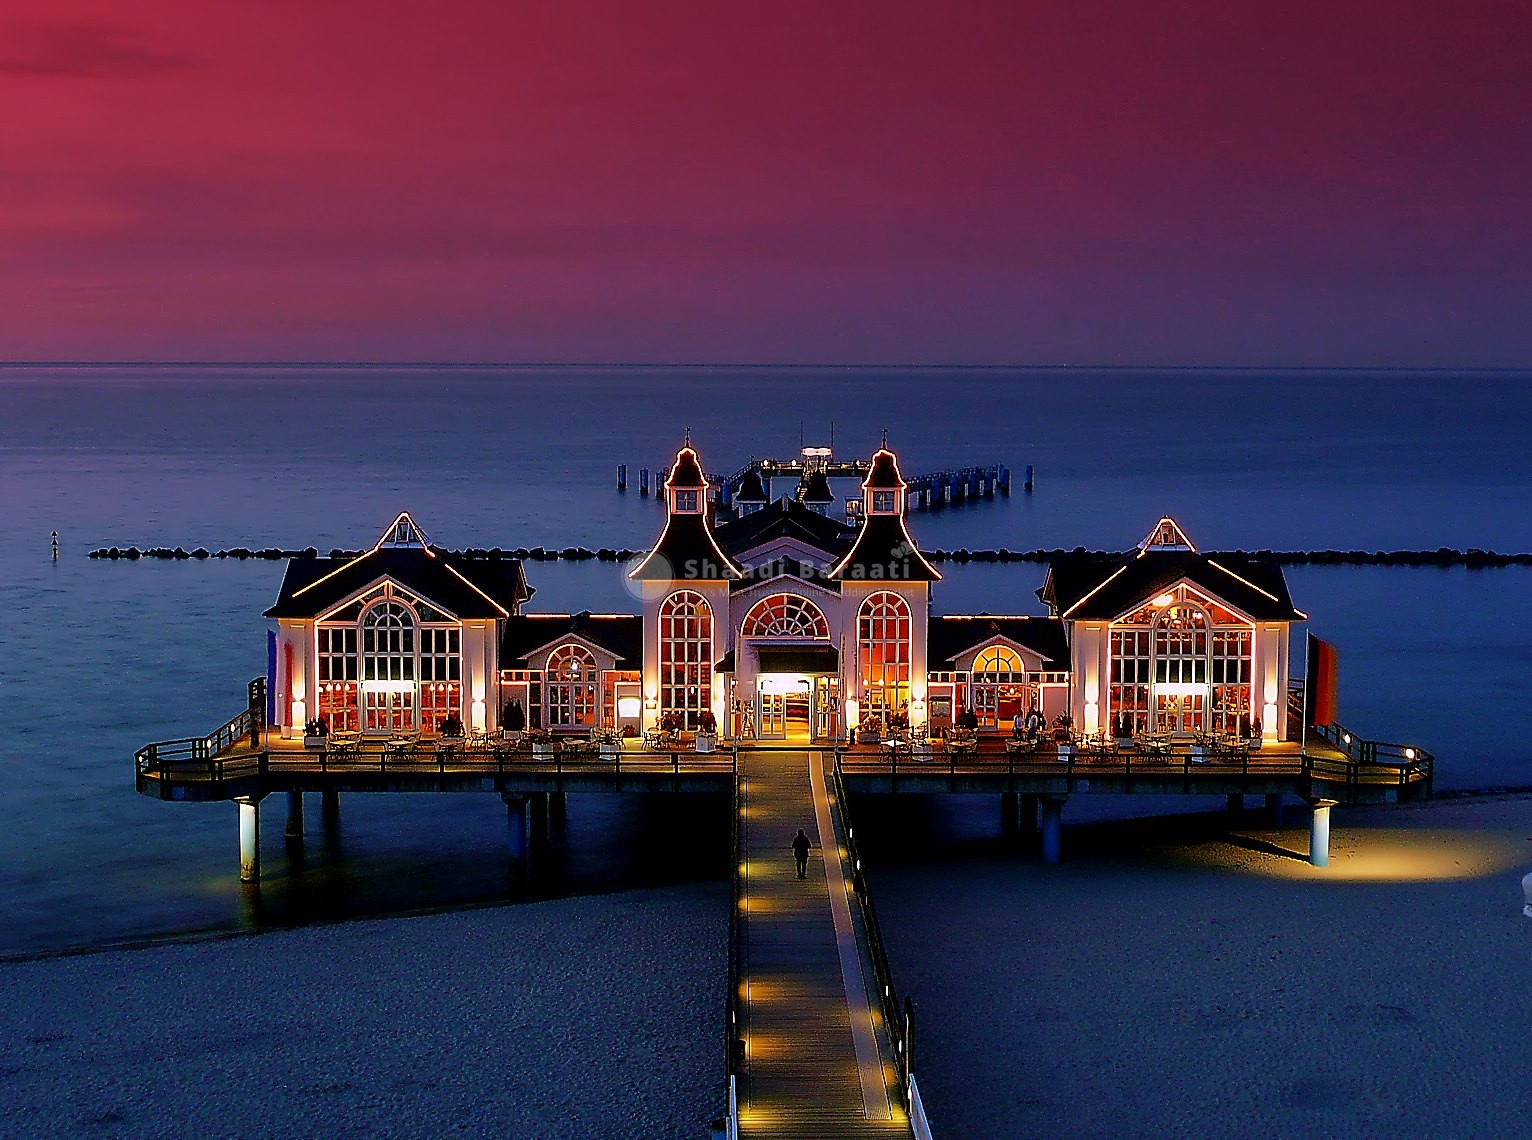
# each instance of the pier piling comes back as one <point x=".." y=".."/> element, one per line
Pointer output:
<point x="1319" y="833"/>
<point x="643" y="482"/>
<point x="249" y="839"/>
<point x="1027" y="486"/>
<point x="294" y="829"/>
<point x="515" y="826"/>
<point x="1053" y="828"/>
<point x="622" y="476"/>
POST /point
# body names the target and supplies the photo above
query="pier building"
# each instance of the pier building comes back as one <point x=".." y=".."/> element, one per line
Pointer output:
<point x="781" y="623"/>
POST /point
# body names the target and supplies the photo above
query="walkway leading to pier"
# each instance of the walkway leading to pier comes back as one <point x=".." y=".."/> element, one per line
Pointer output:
<point x="818" y="1061"/>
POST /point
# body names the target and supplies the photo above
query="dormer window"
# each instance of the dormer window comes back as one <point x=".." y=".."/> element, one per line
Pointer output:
<point x="883" y="502"/>
<point x="685" y="502"/>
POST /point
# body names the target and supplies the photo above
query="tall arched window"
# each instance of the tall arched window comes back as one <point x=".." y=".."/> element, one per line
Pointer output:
<point x="1181" y="668"/>
<point x="571" y="679"/>
<point x="686" y="656"/>
<point x="785" y="615"/>
<point x="388" y="667"/>
<point x="883" y="649"/>
<point x="999" y="686"/>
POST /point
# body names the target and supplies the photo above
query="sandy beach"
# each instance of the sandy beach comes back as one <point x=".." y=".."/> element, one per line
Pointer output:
<point x="587" y="1017"/>
<point x="1195" y="977"/>
<point x="1176" y="976"/>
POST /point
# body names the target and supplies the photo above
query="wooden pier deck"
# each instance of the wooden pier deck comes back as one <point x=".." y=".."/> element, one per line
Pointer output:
<point x="818" y="1059"/>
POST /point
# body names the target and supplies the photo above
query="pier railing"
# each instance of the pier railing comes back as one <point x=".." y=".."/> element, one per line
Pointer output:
<point x="1414" y="764"/>
<point x="898" y="1019"/>
<point x="215" y="759"/>
<point x="1365" y="763"/>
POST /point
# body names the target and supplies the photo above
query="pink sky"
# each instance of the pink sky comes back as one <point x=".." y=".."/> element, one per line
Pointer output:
<point x="1085" y="182"/>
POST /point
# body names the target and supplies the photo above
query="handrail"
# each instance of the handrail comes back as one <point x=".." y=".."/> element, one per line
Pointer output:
<point x="182" y="756"/>
<point x="900" y="1022"/>
<point x="733" y="1039"/>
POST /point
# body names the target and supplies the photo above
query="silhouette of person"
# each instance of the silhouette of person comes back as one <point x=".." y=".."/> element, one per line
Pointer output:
<point x="801" y="853"/>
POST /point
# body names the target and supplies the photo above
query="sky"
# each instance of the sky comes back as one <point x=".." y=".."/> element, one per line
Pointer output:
<point x="1183" y="182"/>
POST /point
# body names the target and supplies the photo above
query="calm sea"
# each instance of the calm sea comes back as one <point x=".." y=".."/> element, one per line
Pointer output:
<point x="100" y="657"/>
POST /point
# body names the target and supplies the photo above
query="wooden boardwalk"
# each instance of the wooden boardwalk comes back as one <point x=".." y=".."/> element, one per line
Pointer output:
<point x="818" y="1060"/>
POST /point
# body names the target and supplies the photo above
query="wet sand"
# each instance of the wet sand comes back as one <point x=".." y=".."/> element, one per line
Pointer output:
<point x="588" y="1017"/>
<point x="1196" y="977"/>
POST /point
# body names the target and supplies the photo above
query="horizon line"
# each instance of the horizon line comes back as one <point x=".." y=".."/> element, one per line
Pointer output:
<point x="820" y="365"/>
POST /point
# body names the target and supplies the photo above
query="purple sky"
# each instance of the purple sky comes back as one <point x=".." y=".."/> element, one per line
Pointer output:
<point x="1071" y="181"/>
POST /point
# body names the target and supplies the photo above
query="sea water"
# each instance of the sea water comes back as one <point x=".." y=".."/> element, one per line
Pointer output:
<point x="100" y="657"/>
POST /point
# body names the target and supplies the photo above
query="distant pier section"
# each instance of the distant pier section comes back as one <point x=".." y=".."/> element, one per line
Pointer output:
<point x="806" y="479"/>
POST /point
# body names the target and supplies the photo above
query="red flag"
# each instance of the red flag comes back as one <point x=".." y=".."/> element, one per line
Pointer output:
<point x="1322" y="682"/>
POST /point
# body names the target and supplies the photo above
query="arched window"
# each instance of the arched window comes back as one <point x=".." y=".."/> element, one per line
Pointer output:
<point x="1181" y="646"/>
<point x="999" y="686"/>
<point x="388" y="667"/>
<point x="785" y="615"/>
<point x="571" y="679"/>
<point x="686" y="656"/>
<point x="883" y="649"/>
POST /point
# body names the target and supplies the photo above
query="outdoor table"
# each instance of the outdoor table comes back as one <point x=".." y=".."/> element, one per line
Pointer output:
<point x="398" y="747"/>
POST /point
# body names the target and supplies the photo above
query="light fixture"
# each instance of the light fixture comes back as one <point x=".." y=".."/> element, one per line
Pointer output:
<point x="1409" y="754"/>
<point x="627" y="707"/>
<point x="1164" y="599"/>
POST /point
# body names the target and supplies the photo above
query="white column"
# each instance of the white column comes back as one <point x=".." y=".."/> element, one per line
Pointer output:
<point x="249" y="840"/>
<point x="1319" y="833"/>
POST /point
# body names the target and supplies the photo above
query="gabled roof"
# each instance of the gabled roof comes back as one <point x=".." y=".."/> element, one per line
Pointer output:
<point x="949" y="637"/>
<point x="621" y="635"/>
<point x="467" y="588"/>
<point x="785" y="518"/>
<point x="1102" y="587"/>
<point x="785" y="566"/>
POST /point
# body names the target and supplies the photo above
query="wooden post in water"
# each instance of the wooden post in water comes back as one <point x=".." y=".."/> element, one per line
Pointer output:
<point x="622" y="476"/>
<point x="643" y="482"/>
<point x="1027" y="486"/>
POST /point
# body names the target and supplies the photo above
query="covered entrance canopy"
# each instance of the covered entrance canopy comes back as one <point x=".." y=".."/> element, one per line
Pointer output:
<point x="799" y="659"/>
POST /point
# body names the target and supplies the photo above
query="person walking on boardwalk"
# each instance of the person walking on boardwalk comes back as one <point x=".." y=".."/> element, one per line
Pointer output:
<point x="801" y="853"/>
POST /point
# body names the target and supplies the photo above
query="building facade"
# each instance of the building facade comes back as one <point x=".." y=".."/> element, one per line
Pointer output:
<point x="780" y="622"/>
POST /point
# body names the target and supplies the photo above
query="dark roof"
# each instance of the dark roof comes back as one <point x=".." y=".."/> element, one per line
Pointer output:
<point x="622" y="635"/>
<point x="725" y="664"/>
<point x="459" y="585"/>
<point x="884" y="472"/>
<point x="884" y="552"/>
<point x="686" y="471"/>
<point x="815" y="488"/>
<point x="751" y="489"/>
<point x="1100" y="587"/>
<point x="948" y="638"/>
<point x="784" y="518"/>
<point x="686" y="549"/>
<point x="798" y="659"/>
<point x="785" y="566"/>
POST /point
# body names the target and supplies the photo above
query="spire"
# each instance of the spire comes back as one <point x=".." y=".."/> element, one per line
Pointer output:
<point x="883" y="489"/>
<point x="686" y="548"/>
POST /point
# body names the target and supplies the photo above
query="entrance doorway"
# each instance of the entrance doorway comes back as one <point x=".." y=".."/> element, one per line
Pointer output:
<point x="795" y="706"/>
<point x="389" y="710"/>
<point x="1181" y="713"/>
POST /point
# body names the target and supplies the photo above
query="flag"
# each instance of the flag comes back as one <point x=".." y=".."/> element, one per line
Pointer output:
<point x="1322" y="682"/>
